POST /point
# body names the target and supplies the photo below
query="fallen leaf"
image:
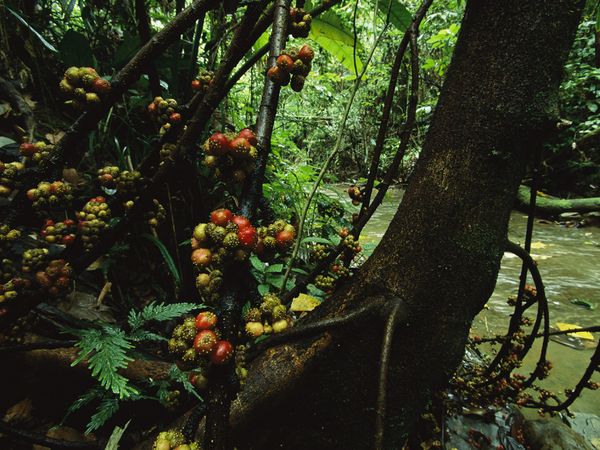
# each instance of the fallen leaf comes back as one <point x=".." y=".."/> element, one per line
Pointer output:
<point x="580" y="334"/>
<point x="304" y="303"/>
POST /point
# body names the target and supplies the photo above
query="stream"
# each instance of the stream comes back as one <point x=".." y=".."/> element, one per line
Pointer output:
<point x="569" y="262"/>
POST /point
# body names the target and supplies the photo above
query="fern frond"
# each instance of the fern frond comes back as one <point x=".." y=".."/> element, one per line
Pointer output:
<point x="106" y="409"/>
<point x="106" y="349"/>
<point x="159" y="312"/>
<point x="176" y="374"/>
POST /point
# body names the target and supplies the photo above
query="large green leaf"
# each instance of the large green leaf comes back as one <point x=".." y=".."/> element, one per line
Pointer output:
<point x="46" y="44"/>
<point x="328" y="31"/>
<point x="400" y="17"/>
<point x="75" y="50"/>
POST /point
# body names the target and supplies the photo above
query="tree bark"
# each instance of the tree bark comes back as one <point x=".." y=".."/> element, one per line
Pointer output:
<point x="441" y="253"/>
<point x="553" y="206"/>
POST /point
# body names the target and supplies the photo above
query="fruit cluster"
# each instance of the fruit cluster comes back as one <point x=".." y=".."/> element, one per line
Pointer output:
<point x="108" y="176"/>
<point x="8" y="235"/>
<point x="173" y="440"/>
<point x="232" y="156"/>
<point x="51" y="195"/>
<point x="209" y="283"/>
<point x="292" y="67"/>
<point x="10" y="289"/>
<point x="33" y="259"/>
<point x="202" y="81"/>
<point x="325" y="283"/>
<point x="157" y="215"/>
<point x="277" y="236"/>
<point x="351" y="244"/>
<point x="164" y="112"/>
<point x="59" y="232"/>
<point x="128" y="183"/>
<point x="166" y="151"/>
<point x="93" y="220"/>
<point x="240" y="364"/>
<point x="339" y="270"/>
<point x="7" y="270"/>
<point x="37" y="153"/>
<point x="299" y="22"/>
<point x="199" y="337"/>
<point x="319" y="252"/>
<point x="270" y="317"/>
<point x="356" y="194"/>
<point x="84" y="87"/>
<point x="9" y="173"/>
<point x="56" y="278"/>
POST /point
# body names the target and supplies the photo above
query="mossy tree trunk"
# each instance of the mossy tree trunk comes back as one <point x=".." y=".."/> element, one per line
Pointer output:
<point x="553" y="206"/>
<point x="442" y="251"/>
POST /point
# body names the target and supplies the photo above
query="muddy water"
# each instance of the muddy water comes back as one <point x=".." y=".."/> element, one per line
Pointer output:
<point x="569" y="262"/>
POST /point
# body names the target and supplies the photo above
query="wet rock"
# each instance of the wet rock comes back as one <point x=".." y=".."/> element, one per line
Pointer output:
<point x="588" y="425"/>
<point x="551" y="434"/>
<point x="570" y="216"/>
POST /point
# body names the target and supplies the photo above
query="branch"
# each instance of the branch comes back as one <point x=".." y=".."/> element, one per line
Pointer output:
<point x="143" y="22"/>
<point x="37" y="438"/>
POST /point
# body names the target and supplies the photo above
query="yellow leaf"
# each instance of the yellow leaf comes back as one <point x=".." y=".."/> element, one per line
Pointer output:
<point x="580" y="334"/>
<point x="304" y="303"/>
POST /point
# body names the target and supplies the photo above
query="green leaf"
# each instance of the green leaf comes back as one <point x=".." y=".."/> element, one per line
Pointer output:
<point x="166" y="256"/>
<point x="107" y="408"/>
<point x="317" y="240"/>
<point x="261" y="41"/>
<point x="115" y="437"/>
<point x="328" y="31"/>
<point x="275" y="268"/>
<point x="177" y="375"/>
<point x="47" y="44"/>
<point x="75" y="50"/>
<point x="257" y="263"/>
<point x="91" y="395"/>
<point x="400" y="17"/>
<point x="106" y="349"/>
<point x="159" y="312"/>
<point x="263" y="289"/>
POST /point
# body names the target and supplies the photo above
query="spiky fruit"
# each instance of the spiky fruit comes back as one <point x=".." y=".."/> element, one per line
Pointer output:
<point x="280" y="325"/>
<point x="240" y="146"/>
<point x="221" y="353"/>
<point x="205" y="341"/>
<point x="284" y="238"/>
<point x="161" y="444"/>
<point x="253" y="315"/>
<point x="221" y="216"/>
<point x="199" y="381"/>
<point x="241" y="221"/>
<point x="218" y="144"/>
<point x="202" y="280"/>
<point x="306" y="54"/>
<point x="230" y="241"/>
<point x="189" y="355"/>
<point x="206" y="320"/>
<point x="284" y="62"/>
<point x="101" y="86"/>
<point x="297" y="83"/>
<point x="254" y="329"/>
<point x="216" y="233"/>
<point x="279" y="312"/>
<point x="200" y="232"/>
<point x="201" y="257"/>
<point x="247" y="236"/>
<point x="249" y="135"/>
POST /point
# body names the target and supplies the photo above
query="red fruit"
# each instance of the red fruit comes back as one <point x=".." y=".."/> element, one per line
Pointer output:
<point x="68" y="239"/>
<point x="221" y="352"/>
<point x="152" y="108"/>
<point x="285" y="63"/>
<point x="343" y="232"/>
<point x="247" y="236"/>
<point x="99" y="199"/>
<point x="101" y="86"/>
<point x="201" y="257"/>
<point x="43" y="279"/>
<point x="218" y="143"/>
<point x="221" y="217"/>
<point x="275" y="74"/>
<point x="249" y="135"/>
<point x="241" y="221"/>
<point x="240" y="145"/>
<point x="55" y="186"/>
<point x="48" y="223"/>
<point x="27" y="149"/>
<point x="31" y="194"/>
<point x="306" y="54"/>
<point x="196" y="85"/>
<point x="206" y="320"/>
<point x="284" y="238"/>
<point x="69" y="222"/>
<point x="205" y="341"/>
<point x="175" y="118"/>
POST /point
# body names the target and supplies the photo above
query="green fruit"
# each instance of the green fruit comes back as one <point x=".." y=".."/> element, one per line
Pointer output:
<point x="231" y="241"/>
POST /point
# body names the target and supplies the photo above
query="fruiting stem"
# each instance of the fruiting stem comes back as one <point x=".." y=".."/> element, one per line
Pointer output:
<point x="325" y="167"/>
